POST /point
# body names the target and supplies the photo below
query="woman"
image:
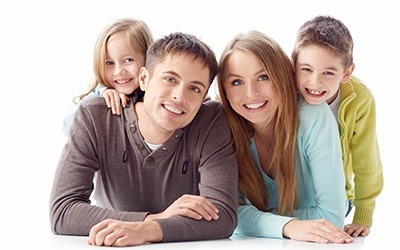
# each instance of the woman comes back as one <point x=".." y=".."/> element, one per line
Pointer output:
<point x="291" y="180"/>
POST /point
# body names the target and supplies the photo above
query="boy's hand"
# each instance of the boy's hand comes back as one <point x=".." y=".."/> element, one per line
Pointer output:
<point x="115" y="100"/>
<point x="356" y="230"/>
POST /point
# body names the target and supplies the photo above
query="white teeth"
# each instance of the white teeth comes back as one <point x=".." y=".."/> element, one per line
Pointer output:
<point x="122" y="82"/>
<point x="314" y="92"/>
<point x="254" y="105"/>
<point x="173" y="110"/>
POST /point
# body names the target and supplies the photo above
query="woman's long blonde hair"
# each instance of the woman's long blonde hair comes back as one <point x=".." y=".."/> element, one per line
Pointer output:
<point x="139" y="37"/>
<point x="285" y="123"/>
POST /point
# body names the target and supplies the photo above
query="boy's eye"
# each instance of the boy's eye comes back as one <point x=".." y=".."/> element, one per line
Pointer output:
<point x="329" y="73"/>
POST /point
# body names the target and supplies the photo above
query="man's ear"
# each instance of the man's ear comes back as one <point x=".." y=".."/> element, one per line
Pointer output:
<point x="348" y="73"/>
<point x="143" y="78"/>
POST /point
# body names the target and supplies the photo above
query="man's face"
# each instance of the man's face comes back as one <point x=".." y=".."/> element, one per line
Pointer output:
<point x="174" y="92"/>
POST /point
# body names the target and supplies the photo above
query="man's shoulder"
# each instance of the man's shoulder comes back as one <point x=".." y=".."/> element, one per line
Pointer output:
<point x="93" y="100"/>
<point x="210" y="112"/>
<point x="94" y="105"/>
<point x="211" y="106"/>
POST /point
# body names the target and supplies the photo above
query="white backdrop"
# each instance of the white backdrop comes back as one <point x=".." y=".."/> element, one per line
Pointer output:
<point x="46" y="59"/>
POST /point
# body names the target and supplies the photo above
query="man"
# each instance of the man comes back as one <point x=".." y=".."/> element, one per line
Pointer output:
<point x="165" y="169"/>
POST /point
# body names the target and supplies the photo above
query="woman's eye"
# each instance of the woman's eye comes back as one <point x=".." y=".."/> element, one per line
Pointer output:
<point x="109" y="63"/>
<point x="237" y="82"/>
<point x="263" y="78"/>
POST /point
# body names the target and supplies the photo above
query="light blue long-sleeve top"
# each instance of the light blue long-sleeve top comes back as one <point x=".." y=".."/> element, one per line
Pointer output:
<point x="69" y="116"/>
<point x="320" y="178"/>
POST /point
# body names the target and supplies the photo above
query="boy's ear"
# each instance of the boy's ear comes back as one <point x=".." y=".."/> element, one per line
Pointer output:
<point x="143" y="78"/>
<point x="348" y="73"/>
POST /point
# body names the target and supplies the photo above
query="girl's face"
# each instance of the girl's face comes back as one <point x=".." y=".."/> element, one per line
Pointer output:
<point x="122" y="67"/>
<point x="248" y="88"/>
<point x="319" y="73"/>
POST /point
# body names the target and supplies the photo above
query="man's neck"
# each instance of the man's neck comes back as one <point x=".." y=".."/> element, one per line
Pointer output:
<point x="148" y="129"/>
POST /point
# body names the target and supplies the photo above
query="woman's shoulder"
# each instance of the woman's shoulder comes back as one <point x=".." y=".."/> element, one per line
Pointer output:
<point x="314" y="116"/>
<point x="308" y="111"/>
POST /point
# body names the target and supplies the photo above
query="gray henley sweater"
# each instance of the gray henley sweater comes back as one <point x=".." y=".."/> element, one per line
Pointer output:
<point x="106" y="154"/>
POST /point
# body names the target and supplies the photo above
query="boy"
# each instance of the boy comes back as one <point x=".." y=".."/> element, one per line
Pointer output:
<point x="323" y="61"/>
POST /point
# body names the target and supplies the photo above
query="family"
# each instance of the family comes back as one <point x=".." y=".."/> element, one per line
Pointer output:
<point x="288" y="149"/>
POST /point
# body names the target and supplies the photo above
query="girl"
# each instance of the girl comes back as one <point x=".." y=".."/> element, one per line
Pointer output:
<point x="119" y="53"/>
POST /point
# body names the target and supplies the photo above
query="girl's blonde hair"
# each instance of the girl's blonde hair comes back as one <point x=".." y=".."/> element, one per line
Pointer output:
<point x="140" y="38"/>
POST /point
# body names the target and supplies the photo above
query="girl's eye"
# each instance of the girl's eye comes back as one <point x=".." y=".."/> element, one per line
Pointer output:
<point x="263" y="78"/>
<point x="237" y="82"/>
<point x="306" y="69"/>
<point x="109" y="63"/>
<point x="129" y="60"/>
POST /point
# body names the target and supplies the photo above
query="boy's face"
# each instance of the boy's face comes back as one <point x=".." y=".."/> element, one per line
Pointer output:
<point x="174" y="92"/>
<point x="319" y="73"/>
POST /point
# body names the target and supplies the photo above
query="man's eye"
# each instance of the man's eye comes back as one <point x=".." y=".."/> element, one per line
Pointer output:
<point x="196" y="89"/>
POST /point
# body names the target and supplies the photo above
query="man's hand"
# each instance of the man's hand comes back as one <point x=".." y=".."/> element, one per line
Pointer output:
<point x="191" y="206"/>
<point x="123" y="233"/>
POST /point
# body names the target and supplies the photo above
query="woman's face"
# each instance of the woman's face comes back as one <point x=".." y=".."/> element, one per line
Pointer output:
<point x="248" y="87"/>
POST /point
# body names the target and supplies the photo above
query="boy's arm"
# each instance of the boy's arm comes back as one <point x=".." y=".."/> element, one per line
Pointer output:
<point x="367" y="165"/>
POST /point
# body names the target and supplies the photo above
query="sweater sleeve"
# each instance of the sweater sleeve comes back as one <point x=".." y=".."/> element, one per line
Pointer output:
<point x="71" y="211"/>
<point x="253" y="222"/>
<point x="321" y="177"/>
<point x="367" y="166"/>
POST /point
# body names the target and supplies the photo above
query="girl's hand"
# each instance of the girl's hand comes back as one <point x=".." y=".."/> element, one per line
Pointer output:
<point x="115" y="100"/>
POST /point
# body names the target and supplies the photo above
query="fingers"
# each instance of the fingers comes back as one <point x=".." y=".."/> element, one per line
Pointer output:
<point x="124" y="100"/>
<point x="107" y="233"/>
<point x="99" y="232"/>
<point x="320" y="231"/>
<point x="332" y="233"/>
<point x="201" y="206"/>
<point x="115" y="100"/>
<point x="356" y="230"/>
